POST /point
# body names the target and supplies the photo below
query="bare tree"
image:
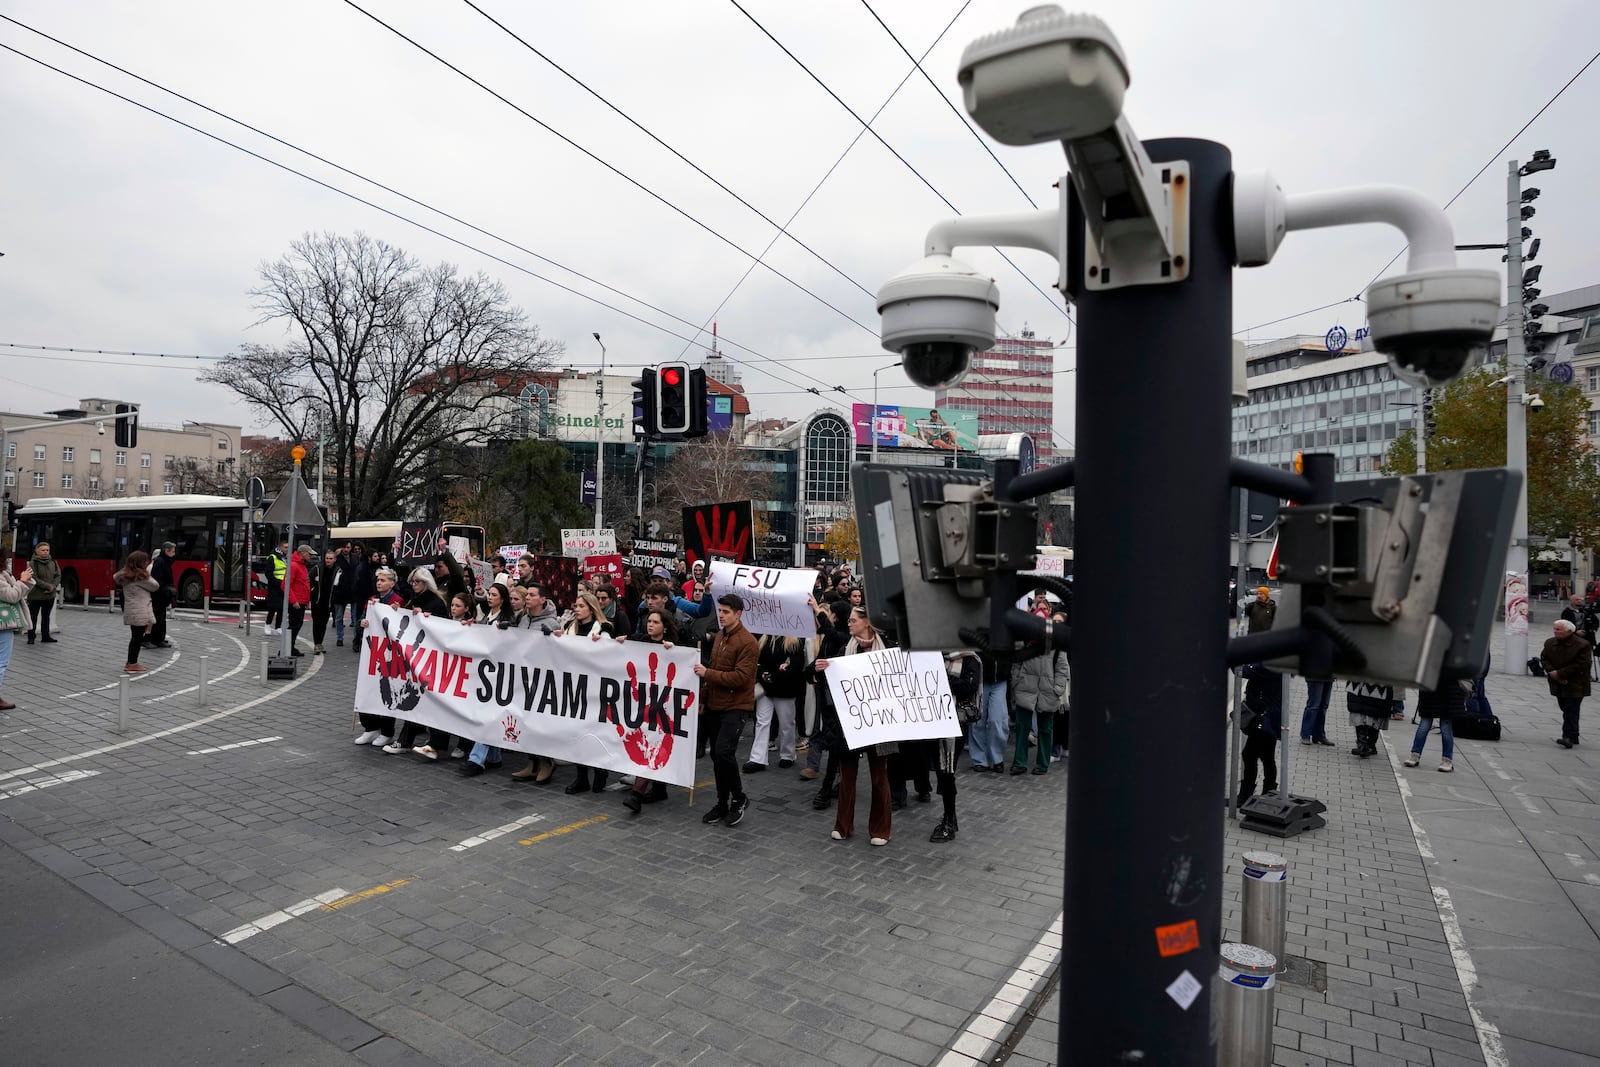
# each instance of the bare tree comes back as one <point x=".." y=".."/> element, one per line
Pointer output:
<point x="395" y="357"/>
<point x="712" y="470"/>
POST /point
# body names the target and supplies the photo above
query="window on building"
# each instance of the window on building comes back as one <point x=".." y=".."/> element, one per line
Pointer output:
<point x="67" y="452"/>
<point x="38" y="479"/>
<point x="1592" y="379"/>
<point x="222" y="466"/>
<point x="94" y="481"/>
<point x="1594" y="424"/>
<point x="119" y="486"/>
<point x="144" y="487"/>
<point x="38" y="451"/>
<point x="222" y="444"/>
<point x="166" y="463"/>
<point x="66" y="481"/>
<point x="120" y="458"/>
<point x="10" y="479"/>
<point x="166" y="487"/>
<point x="94" y="455"/>
<point x="144" y="459"/>
<point x="11" y="450"/>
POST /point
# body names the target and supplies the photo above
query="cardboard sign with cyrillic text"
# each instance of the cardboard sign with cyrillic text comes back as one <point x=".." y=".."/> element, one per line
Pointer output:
<point x="892" y="695"/>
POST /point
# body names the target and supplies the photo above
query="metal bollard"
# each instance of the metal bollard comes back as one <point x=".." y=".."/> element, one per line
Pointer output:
<point x="1265" y="896"/>
<point x="200" y="691"/>
<point x="122" y="704"/>
<point x="266" y="651"/>
<point x="205" y="609"/>
<point x="1245" y="985"/>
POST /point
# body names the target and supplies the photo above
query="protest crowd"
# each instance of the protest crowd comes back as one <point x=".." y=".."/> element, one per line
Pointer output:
<point x="764" y="699"/>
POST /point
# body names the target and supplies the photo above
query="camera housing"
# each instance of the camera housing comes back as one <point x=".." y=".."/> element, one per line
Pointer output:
<point x="936" y="314"/>
<point x="1434" y="324"/>
<point x="1051" y="77"/>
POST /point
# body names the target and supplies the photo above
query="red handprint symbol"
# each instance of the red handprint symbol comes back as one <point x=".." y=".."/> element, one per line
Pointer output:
<point x="724" y="541"/>
<point x="642" y="748"/>
<point x="512" y="731"/>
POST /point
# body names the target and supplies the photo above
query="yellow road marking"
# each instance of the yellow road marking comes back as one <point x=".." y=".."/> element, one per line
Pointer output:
<point x="558" y="831"/>
<point x="335" y="905"/>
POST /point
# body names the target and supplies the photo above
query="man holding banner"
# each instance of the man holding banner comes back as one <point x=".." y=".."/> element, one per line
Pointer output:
<point x="729" y="690"/>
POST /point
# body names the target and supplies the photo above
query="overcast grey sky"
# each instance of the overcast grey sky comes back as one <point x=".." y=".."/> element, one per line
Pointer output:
<point x="126" y="232"/>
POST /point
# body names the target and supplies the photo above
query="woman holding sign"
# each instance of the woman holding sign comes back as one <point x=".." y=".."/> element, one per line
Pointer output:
<point x="588" y="620"/>
<point x="658" y="628"/>
<point x="863" y="638"/>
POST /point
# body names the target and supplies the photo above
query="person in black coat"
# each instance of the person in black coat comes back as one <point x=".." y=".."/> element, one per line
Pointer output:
<point x="322" y="575"/>
<point x="1261" y="722"/>
<point x="829" y="737"/>
<point x="363" y="588"/>
<point x="165" y="596"/>
<point x="341" y="597"/>
<point x="1443" y="704"/>
<point x="780" y="670"/>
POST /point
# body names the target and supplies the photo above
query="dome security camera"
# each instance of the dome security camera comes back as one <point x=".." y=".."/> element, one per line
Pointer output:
<point x="1535" y="402"/>
<point x="936" y="314"/>
<point x="1433" y="324"/>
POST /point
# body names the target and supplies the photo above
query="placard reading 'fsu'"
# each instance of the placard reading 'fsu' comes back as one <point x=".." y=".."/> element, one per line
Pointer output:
<point x="892" y="695"/>
<point x="774" y="598"/>
<point x="626" y="706"/>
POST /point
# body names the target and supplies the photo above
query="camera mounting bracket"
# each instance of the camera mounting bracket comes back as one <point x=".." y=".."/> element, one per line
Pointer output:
<point x="1136" y="213"/>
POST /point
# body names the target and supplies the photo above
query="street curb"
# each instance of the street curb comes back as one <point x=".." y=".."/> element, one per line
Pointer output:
<point x="990" y="1033"/>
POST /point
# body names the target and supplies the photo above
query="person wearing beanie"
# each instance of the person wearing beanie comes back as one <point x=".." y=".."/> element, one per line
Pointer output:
<point x="1261" y="612"/>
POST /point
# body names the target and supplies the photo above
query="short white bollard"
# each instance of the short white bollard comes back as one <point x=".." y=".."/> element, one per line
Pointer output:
<point x="266" y="651"/>
<point x="122" y="704"/>
<point x="200" y="691"/>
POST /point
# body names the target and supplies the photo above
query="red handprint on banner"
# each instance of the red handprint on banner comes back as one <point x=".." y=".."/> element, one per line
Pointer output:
<point x="723" y="540"/>
<point x="513" y="731"/>
<point x="642" y="748"/>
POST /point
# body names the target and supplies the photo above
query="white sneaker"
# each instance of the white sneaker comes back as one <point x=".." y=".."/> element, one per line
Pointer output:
<point x="394" y="748"/>
<point x="382" y="741"/>
<point x="367" y="738"/>
<point x="458" y="753"/>
<point x="425" y="751"/>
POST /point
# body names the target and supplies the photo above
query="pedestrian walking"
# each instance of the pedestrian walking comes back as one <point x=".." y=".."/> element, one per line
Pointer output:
<point x="166" y="595"/>
<point x="138" y="613"/>
<point x="1314" y="717"/>
<point x="1443" y="705"/>
<point x="1565" y="659"/>
<point x="13" y="615"/>
<point x="728" y="684"/>
<point x="42" y="597"/>
<point x="1261" y="722"/>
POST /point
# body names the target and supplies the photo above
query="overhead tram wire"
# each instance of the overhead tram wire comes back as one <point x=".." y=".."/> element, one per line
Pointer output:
<point x="1491" y="160"/>
<point x="825" y="176"/>
<point x="403" y="218"/>
<point x="782" y="228"/>
<point x="1055" y="302"/>
<point x="630" y="179"/>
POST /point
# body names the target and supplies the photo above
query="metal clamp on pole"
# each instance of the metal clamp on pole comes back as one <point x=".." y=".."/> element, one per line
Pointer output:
<point x="1265" y="895"/>
<point x="1245" y="987"/>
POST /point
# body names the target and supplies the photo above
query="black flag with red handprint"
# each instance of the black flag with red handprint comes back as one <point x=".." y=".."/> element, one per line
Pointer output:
<point x="719" y="532"/>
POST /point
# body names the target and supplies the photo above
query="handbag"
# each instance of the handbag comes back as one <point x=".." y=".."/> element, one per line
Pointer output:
<point x="13" y="616"/>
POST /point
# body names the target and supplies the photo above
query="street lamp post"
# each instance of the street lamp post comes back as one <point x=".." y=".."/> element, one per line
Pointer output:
<point x="599" y="436"/>
<point x="1516" y="648"/>
<point x="872" y="423"/>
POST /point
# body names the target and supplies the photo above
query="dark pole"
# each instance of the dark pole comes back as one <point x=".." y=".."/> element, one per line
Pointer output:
<point x="1148" y="736"/>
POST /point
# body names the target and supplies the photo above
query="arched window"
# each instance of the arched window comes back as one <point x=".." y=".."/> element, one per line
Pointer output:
<point x="827" y="460"/>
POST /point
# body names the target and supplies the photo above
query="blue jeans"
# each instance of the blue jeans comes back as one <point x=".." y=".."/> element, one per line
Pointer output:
<point x="986" y="740"/>
<point x="1314" y="720"/>
<point x="1447" y="737"/>
<point x="339" y="611"/>
<point x="5" y="653"/>
<point x="483" y="754"/>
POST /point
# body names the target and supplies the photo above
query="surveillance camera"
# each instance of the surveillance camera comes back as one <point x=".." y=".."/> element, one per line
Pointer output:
<point x="1535" y="402"/>
<point x="1051" y="77"/>
<point x="1433" y="324"/>
<point x="100" y="428"/>
<point x="936" y="314"/>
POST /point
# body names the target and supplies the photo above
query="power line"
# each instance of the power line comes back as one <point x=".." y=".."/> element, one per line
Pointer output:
<point x="383" y="210"/>
<point x="630" y="179"/>
<point x="1053" y="302"/>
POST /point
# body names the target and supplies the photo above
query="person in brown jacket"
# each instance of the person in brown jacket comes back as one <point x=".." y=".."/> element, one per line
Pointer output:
<point x="729" y="688"/>
<point x="1565" y="660"/>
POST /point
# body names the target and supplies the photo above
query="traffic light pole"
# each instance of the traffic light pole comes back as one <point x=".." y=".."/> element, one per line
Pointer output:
<point x="1516" y="647"/>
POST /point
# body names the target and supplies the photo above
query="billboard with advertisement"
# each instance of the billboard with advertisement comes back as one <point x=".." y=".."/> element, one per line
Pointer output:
<point x="902" y="426"/>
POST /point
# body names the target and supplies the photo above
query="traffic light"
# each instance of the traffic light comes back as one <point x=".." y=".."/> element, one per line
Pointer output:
<point x="127" y="425"/>
<point x="699" y="416"/>
<point x="672" y="400"/>
<point x="644" y="405"/>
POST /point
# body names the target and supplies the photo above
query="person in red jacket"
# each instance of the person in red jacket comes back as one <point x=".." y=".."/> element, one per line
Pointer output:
<point x="299" y="594"/>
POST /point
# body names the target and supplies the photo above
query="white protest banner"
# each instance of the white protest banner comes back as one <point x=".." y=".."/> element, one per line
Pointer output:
<point x="630" y="707"/>
<point x="580" y="543"/>
<point x="482" y="576"/>
<point x="460" y="547"/>
<point x="892" y="695"/>
<point x="774" y="598"/>
<point x="511" y="553"/>
<point x="1051" y="565"/>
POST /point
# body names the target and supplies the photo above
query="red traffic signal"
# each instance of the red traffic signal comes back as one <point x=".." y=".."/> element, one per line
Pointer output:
<point x="671" y="376"/>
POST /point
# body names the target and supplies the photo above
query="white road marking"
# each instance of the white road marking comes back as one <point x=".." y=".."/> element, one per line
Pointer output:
<point x="274" y="694"/>
<point x="498" y="831"/>
<point x="278" y="918"/>
<point x="236" y="744"/>
<point x="57" y="779"/>
<point x="1578" y="862"/>
<point x="977" y="1042"/>
<point x="1494" y="1050"/>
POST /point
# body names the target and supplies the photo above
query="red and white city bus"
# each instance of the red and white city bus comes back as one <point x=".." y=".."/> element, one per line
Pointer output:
<point x="90" y="539"/>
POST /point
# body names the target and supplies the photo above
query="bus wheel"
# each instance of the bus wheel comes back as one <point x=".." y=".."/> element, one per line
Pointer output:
<point x="192" y="591"/>
<point x="69" y="585"/>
